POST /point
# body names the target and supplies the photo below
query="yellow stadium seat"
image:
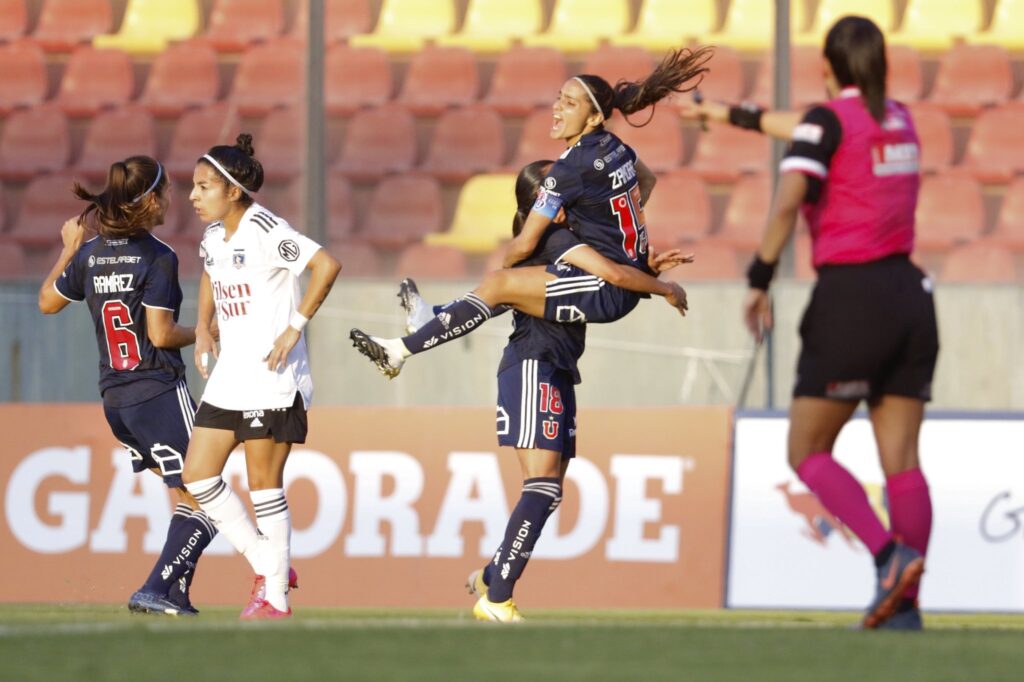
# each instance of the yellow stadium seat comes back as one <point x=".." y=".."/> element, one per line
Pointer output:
<point x="406" y="25"/>
<point x="493" y="25"/>
<point x="483" y="214"/>
<point x="1007" y="28"/>
<point x="750" y="24"/>
<point x="881" y="12"/>
<point x="669" y="24"/>
<point x="581" y="25"/>
<point x="933" y="25"/>
<point x="149" y="24"/>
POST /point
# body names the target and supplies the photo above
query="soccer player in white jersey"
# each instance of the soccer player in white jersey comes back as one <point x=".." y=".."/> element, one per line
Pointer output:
<point x="260" y="386"/>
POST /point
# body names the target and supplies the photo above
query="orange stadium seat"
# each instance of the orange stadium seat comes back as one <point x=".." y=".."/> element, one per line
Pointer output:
<point x="65" y="24"/>
<point x="438" y="78"/>
<point x="483" y="214"/>
<point x="34" y="141"/>
<point x="972" y="77"/>
<point x="1009" y="229"/>
<point x="981" y="262"/>
<point x="724" y="153"/>
<point x="1005" y="29"/>
<point x="493" y="25"/>
<point x="45" y="204"/>
<point x="526" y="78"/>
<point x="750" y="25"/>
<point x="432" y="262"/>
<point x="235" y="24"/>
<point x="619" y="63"/>
<point x="357" y="259"/>
<point x="935" y="132"/>
<point x="24" y="83"/>
<point x="150" y="24"/>
<point x="13" y="20"/>
<point x="378" y="142"/>
<point x="806" y="85"/>
<point x="950" y="211"/>
<point x="407" y="25"/>
<point x="114" y="135"/>
<point x="668" y="24"/>
<point x="270" y="75"/>
<point x="725" y="82"/>
<point x="181" y="217"/>
<point x="465" y="142"/>
<point x="343" y="19"/>
<point x="678" y="211"/>
<point x="356" y="77"/>
<point x="403" y="210"/>
<point x="184" y="76"/>
<point x="936" y="24"/>
<point x="882" y="12"/>
<point x="281" y="144"/>
<point x="194" y="133"/>
<point x="12" y="261"/>
<point x="341" y="215"/>
<point x="659" y="144"/>
<point x="906" y="82"/>
<point x="94" y="80"/>
<point x="580" y="25"/>
<point x="712" y="261"/>
<point x="535" y="142"/>
<point x="995" y="149"/>
<point x="746" y="213"/>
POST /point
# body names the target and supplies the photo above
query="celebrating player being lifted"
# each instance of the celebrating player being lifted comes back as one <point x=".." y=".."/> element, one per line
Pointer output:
<point x="260" y="388"/>
<point x="129" y="280"/>
<point x="601" y="186"/>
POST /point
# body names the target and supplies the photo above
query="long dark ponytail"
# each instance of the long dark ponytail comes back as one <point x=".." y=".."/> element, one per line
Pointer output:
<point x="120" y="210"/>
<point x="855" y="48"/>
<point x="527" y="185"/>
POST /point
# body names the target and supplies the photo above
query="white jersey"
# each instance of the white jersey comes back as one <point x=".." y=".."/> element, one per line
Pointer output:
<point x="255" y="281"/>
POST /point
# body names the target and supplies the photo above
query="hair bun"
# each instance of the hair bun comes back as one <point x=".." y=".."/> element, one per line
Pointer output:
<point x="244" y="142"/>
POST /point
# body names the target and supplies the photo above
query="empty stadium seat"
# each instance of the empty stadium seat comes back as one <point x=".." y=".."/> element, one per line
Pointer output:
<point x="526" y="78"/>
<point x="747" y="212"/>
<point x="806" y="84"/>
<point x="65" y="24"/>
<point x="678" y="211"/>
<point x="280" y="144"/>
<point x="34" y="141"/>
<point x="290" y="204"/>
<point x="150" y="24"/>
<point x="24" y="81"/>
<point x="356" y="77"/>
<point x="750" y="25"/>
<point x="438" y="78"/>
<point x="492" y="25"/>
<point x="995" y="149"/>
<point x="935" y="132"/>
<point x="950" y="211"/>
<point x="483" y="215"/>
<point x="428" y="261"/>
<point x="184" y="76"/>
<point x="358" y="259"/>
<point x="45" y="204"/>
<point x="341" y="216"/>
<point x="580" y="25"/>
<point x="882" y="12"/>
<point x="342" y="20"/>
<point x="377" y="142"/>
<point x="618" y="63"/>
<point x="935" y="24"/>
<point x="94" y="80"/>
<point x="981" y="262"/>
<point x="906" y="80"/>
<point x="659" y="143"/>
<point x="270" y="75"/>
<point x="666" y="24"/>
<point x="13" y="20"/>
<point x="972" y="77"/>
<point x="1009" y="229"/>
<point x="465" y="142"/>
<point x="235" y="24"/>
<point x="112" y="136"/>
<point x="713" y="261"/>
<point x="403" y="210"/>
<point x="1005" y="29"/>
<point x="406" y="25"/>
<point x="13" y="264"/>
<point x="535" y="141"/>
<point x="724" y="153"/>
<point x="195" y="132"/>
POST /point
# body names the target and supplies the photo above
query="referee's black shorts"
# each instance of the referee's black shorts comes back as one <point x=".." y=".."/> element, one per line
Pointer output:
<point x="869" y="331"/>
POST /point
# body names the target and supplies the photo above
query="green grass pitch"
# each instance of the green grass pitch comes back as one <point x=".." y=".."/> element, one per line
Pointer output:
<point x="94" y="643"/>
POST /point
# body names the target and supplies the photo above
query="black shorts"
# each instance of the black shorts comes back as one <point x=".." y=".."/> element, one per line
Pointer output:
<point x="284" y="424"/>
<point x="869" y="331"/>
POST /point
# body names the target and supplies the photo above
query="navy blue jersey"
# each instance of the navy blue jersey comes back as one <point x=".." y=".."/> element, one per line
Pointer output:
<point x="595" y="182"/>
<point x="533" y="338"/>
<point x="118" y="279"/>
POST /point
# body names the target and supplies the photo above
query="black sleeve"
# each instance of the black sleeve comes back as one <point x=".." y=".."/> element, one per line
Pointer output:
<point x="815" y="141"/>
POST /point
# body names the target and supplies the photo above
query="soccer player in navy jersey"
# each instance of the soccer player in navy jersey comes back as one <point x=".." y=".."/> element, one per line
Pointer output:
<point x="129" y="280"/>
<point x="869" y="332"/>
<point x="601" y="186"/>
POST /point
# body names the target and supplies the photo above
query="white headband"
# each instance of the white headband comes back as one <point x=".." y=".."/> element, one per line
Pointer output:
<point x="159" y="174"/>
<point x="590" y="94"/>
<point x="224" y="172"/>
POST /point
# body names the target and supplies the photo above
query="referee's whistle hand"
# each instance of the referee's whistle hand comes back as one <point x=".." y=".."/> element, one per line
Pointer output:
<point x="757" y="313"/>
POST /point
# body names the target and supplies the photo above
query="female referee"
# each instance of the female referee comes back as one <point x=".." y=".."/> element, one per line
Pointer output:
<point x="601" y="186"/>
<point x="869" y="332"/>
<point x="260" y="387"/>
<point x="129" y="280"/>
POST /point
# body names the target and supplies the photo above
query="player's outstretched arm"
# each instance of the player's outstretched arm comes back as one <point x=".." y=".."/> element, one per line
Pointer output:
<point x="72" y="234"/>
<point x="625" y="276"/>
<point x="324" y="269"/>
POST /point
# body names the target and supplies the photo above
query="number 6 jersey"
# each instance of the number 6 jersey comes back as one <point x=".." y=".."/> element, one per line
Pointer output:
<point x="254" y="277"/>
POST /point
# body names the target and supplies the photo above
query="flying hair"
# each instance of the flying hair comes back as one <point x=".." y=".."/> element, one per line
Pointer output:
<point x="122" y="209"/>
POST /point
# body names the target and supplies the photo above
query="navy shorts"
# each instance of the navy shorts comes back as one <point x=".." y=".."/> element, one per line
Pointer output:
<point x="156" y="432"/>
<point x="284" y="424"/>
<point x="578" y="296"/>
<point x="869" y="331"/>
<point x="537" y="408"/>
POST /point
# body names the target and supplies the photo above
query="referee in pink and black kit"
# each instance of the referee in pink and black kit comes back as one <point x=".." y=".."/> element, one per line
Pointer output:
<point x="869" y="332"/>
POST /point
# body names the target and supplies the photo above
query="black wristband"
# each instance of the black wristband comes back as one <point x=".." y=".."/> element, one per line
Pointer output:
<point x="746" y="116"/>
<point x="759" y="274"/>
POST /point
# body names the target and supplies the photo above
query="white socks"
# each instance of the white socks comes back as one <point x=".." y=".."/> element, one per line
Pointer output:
<point x="275" y="523"/>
